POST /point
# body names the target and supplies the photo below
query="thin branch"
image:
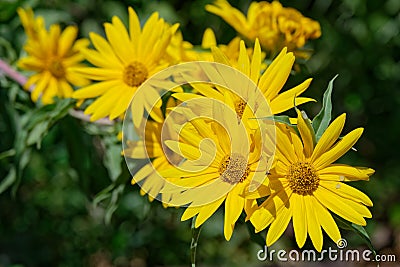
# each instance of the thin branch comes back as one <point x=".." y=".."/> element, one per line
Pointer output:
<point x="13" y="74"/>
<point x="21" y="80"/>
<point x="81" y="116"/>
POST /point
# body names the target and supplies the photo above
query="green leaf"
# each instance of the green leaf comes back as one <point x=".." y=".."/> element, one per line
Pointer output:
<point x="22" y="160"/>
<point x="323" y="118"/>
<point x="112" y="158"/>
<point x="37" y="133"/>
<point x="114" y="201"/>
<point x="113" y="193"/>
<point x="358" y="229"/>
<point x="40" y="121"/>
<point x="7" y="9"/>
<point x="7" y="153"/>
<point x="8" y="180"/>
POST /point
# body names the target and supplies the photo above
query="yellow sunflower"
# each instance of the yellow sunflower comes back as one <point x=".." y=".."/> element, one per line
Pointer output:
<point x="270" y="82"/>
<point x="275" y="26"/>
<point x="221" y="162"/>
<point x="51" y="55"/>
<point x="122" y="63"/>
<point x="306" y="185"/>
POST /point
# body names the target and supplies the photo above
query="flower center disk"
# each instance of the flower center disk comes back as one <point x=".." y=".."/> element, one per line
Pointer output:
<point x="135" y="74"/>
<point x="56" y="69"/>
<point x="303" y="179"/>
<point x="240" y="107"/>
<point x="234" y="168"/>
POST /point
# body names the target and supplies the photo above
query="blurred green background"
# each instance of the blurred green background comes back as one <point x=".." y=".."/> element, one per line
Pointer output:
<point x="53" y="213"/>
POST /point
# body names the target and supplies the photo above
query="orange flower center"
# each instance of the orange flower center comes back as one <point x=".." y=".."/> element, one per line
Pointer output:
<point x="234" y="168"/>
<point x="303" y="179"/>
<point x="135" y="74"/>
<point x="240" y="107"/>
<point x="56" y="69"/>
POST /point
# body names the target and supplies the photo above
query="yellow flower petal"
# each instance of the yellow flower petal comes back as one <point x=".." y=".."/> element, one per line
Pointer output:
<point x="95" y="89"/>
<point x="326" y="220"/>
<point x="207" y="210"/>
<point x="338" y="150"/>
<point x="329" y="137"/>
<point x="208" y="40"/>
<point x="336" y="205"/>
<point x="305" y="129"/>
<point x="243" y="61"/>
<point x="234" y="204"/>
<point x="299" y="219"/>
<point x="67" y="39"/>
<point x="190" y="213"/>
<point x="313" y="225"/>
<point x="255" y="67"/>
<point x="347" y="191"/>
<point x="279" y="225"/>
<point x="345" y="171"/>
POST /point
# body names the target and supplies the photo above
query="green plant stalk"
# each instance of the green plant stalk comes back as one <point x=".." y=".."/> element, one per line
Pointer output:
<point x="193" y="244"/>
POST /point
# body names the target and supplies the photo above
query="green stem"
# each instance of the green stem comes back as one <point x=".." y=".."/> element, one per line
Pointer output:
<point x="193" y="244"/>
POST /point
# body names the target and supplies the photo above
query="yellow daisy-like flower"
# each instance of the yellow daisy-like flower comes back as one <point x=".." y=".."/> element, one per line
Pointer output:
<point x="151" y="147"/>
<point x="306" y="185"/>
<point x="122" y="63"/>
<point x="221" y="161"/>
<point x="52" y="55"/>
<point x="270" y="82"/>
<point x="275" y="26"/>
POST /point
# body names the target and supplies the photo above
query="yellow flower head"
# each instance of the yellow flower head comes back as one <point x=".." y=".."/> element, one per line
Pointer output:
<point x="275" y="26"/>
<point x="306" y="185"/>
<point x="52" y="55"/>
<point x="151" y="147"/>
<point x="222" y="160"/>
<point x="270" y="82"/>
<point x="123" y="62"/>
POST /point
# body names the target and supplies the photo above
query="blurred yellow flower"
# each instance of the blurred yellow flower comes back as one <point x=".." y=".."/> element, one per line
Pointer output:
<point x="122" y="63"/>
<point x="275" y="26"/>
<point x="51" y="55"/>
<point x="230" y="50"/>
<point x="306" y="185"/>
<point x="179" y="50"/>
<point x="182" y="51"/>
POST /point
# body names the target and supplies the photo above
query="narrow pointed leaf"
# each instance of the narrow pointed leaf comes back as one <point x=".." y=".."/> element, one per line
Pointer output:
<point x="323" y="118"/>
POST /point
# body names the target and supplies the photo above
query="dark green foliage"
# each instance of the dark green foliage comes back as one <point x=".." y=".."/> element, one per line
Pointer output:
<point x="66" y="198"/>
